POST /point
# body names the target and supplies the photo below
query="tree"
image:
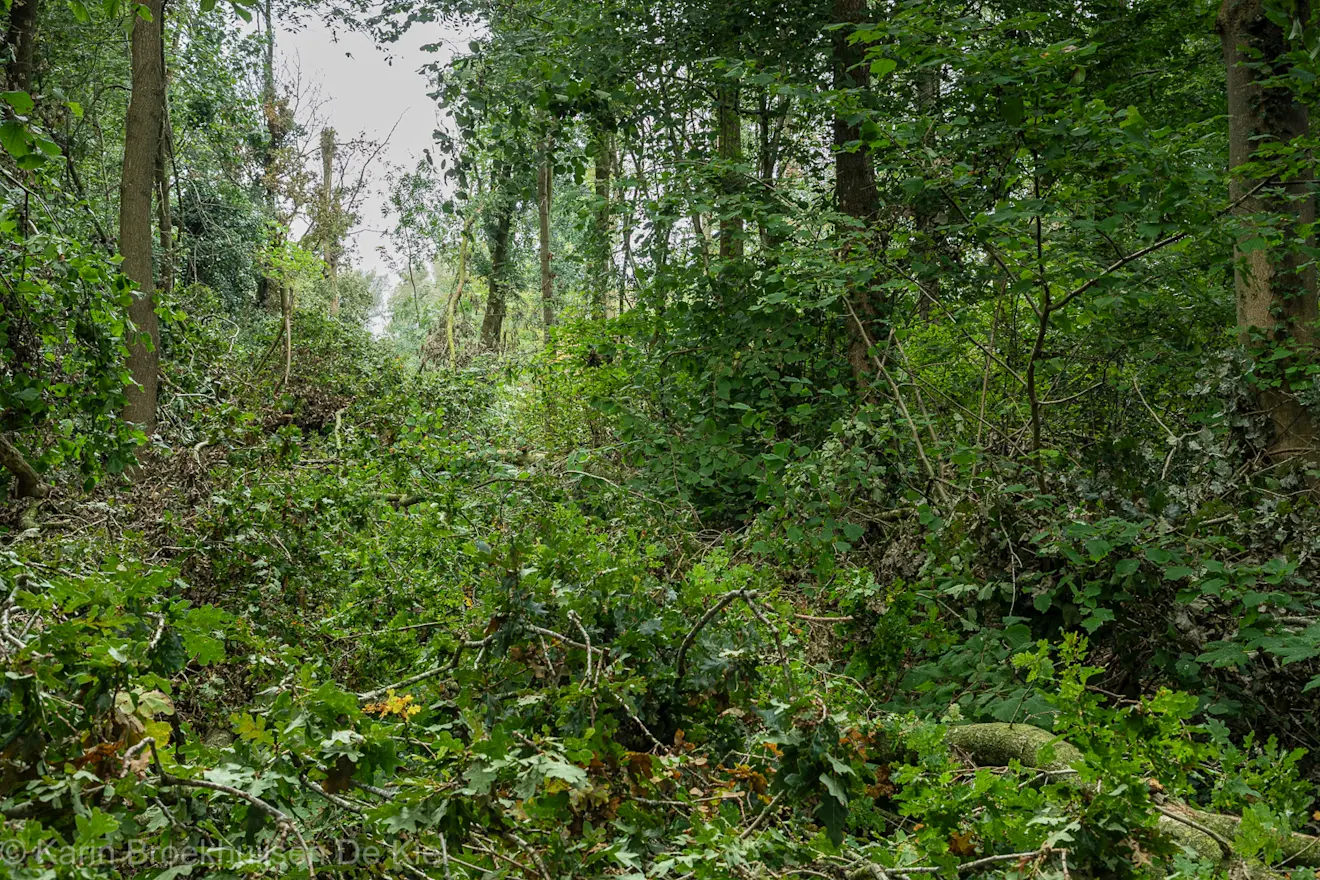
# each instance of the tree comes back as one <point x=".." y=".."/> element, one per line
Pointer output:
<point x="142" y="136"/>
<point x="544" y="192"/>
<point x="21" y="44"/>
<point x="328" y="220"/>
<point x="854" y="182"/>
<point x="498" y="234"/>
<point x="1276" y="282"/>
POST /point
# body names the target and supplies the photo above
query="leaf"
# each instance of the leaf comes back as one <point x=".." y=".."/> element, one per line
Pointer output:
<point x="94" y="826"/>
<point x="21" y="102"/>
<point x="882" y="67"/>
<point x="13" y="137"/>
<point x="554" y="768"/>
<point x="1098" y="548"/>
<point x="835" y="789"/>
<point x="1013" y="109"/>
<point x="832" y="815"/>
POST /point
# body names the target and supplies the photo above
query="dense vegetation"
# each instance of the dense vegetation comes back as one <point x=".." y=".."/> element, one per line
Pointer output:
<point x="800" y="439"/>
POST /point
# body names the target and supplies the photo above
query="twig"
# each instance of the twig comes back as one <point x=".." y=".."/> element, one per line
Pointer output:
<point x="680" y="665"/>
<point x="749" y="598"/>
<point x="430" y="673"/>
<point x="760" y="818"/>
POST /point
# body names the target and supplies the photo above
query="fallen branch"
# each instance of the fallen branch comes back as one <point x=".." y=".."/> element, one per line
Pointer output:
<point x="27" y="482"/>
<point x="1208" y="834"/>
<point x="376" y="694"/>
<point x="680" y="665"/>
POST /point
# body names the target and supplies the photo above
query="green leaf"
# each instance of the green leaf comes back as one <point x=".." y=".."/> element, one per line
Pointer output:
<point x="570" y="773"/>
<point x="21" y="102"/>
<point x="94" y="826"/>
<point x="835" y="788"/>
<point x="833" y="815"/>
<point x="13" y="137"/>
<point x="882" y="67"/>
<point x="1013" y="109"/>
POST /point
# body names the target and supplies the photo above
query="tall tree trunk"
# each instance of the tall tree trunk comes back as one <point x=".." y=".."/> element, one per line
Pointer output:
<point x="329" y="218"/>
<point x="729" y="123"/>
<point x="265" y="284"/>
<point x="465" y="242"/>
<point x="544" y="179"/>
<point x="496" y="299"/>
<point x="854" y="184"/>
<point x="142" y="136"/>
<point x="602" y="239"/>
<point x="286" y="312"/>
<point x="926" y="210"/>
<point x="165" y="218"/>
<point x="1276" y="286"/>
<point x="770" y="122"/>
<point x="21" y="43"/>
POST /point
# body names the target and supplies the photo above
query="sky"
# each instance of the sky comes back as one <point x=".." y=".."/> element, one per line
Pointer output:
<point x="365" y="93"/>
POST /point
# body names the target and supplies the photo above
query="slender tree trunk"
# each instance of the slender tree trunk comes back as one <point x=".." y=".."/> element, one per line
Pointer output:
<point x="457" y="295"/>
<point x="267" y="286"/>
<point x="730" y="154"/>
<point x="21" y="43"/>
<point x="926" y="211"/>
<point x="544" y="180"/>
<point x="286" y="310"/>
<point x="1276" y="285"/>
<point x="165" y="219"/>
<point x="854" y="185"/>
<point x="602" y="239"/>
<point x="329" y="218"/>
<point x="496" y="300"/>
<point x="142" y="136"/>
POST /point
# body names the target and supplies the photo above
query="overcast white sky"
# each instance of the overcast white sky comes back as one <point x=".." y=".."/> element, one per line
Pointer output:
<point x="365" y="92"/>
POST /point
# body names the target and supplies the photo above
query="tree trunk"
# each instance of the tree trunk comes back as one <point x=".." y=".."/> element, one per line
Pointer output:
<point x="1276" y="286"/>
<point x="21" y="41"/>
<point x="496" y="299"/>
<point x="165" y="217"/>
<point x="854" y="184"/>
<point x="27" y="482"/>
<point x="286" y="311"/>
<point x="926" y="210"/>
<point x="329" y="220"/>
<point x="602" y="244"/>
<point x="544" y="179"/>
<point x="265" y="284"/>
<point x="465" y="242"/>
<point x="142" y="136"/>
<point x="730" y="154"/>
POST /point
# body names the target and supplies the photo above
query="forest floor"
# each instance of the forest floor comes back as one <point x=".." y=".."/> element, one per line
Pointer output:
<point x="391" y="618"/>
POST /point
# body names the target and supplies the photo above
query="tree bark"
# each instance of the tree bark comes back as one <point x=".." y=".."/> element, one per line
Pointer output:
<point x="854" y="182"/>
<point x="1276" y="286"/>
<point x="730" y="154"/>
<point x="21" y="41"/>
<point x="926" y="211"/>
<point x="142" y="135"/>
<point x="266" y="286"/>
<point x="602" y="244"/>
<point x="544" y="180"/>
<point x="329" y="220"/>
<point x="496" y="299"/>
<point x="165" y="216"/>
<point x="27" y="482"/>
